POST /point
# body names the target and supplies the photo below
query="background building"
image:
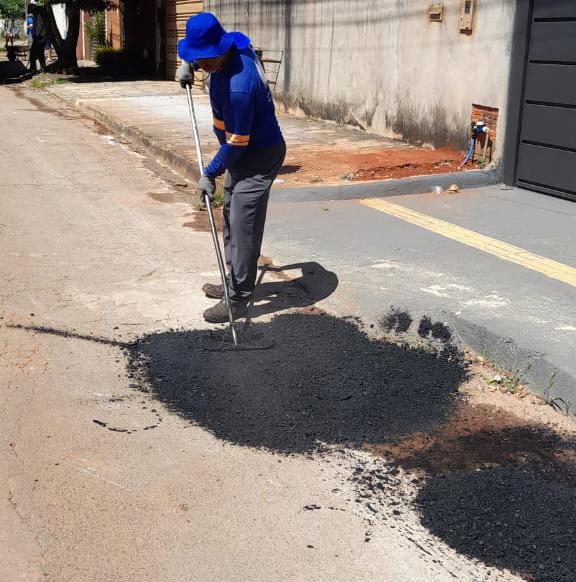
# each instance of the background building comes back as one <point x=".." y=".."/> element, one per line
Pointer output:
<point x="408" y="69"/>
<point x="424" y="72"/>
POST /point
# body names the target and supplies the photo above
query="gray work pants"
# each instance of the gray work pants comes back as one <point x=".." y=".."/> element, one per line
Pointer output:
<point x="246" y="192"/>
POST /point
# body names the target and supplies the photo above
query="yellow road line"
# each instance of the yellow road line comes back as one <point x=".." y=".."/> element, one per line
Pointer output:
<point x="502" y="250"/>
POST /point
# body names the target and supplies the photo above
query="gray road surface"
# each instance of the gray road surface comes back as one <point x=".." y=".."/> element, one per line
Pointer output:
<point x="518" y="316"/>
<point x="101" y="481"/>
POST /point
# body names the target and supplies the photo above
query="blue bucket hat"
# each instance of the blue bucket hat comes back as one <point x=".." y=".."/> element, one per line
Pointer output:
<point x="206" y="39"/>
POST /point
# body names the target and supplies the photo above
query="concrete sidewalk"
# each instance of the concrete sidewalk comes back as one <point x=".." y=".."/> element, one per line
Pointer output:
<point x="154" y="115"/>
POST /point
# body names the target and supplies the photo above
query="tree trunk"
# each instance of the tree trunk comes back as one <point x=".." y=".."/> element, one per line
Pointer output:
<point x="65" y="47"/>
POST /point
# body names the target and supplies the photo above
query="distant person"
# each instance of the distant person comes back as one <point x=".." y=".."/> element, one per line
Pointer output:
<point x="39" y="38"/>
<point x="29" y="23"/>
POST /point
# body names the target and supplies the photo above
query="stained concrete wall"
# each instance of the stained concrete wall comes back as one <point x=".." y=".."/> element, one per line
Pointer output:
<point x="380" y="64"/>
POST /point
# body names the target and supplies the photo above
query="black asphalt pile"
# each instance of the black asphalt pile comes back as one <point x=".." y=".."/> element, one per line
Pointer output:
<point x="488" y="486"/>
<point x="325" y="382"/>
<point x="520" y="518"/>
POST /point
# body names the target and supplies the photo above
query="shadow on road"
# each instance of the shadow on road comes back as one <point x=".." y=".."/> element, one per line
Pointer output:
<point x="289" y="169"/>
<point x="324" y="382"/>
<point x="313" y="285"/>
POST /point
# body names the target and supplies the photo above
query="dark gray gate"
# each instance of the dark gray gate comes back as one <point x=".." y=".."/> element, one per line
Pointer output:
<point x="547" y="149"/>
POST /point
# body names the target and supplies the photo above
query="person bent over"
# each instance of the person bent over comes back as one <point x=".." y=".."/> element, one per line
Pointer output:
<point x="252" y="149"/>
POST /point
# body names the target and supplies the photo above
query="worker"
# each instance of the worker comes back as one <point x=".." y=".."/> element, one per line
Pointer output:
<point x="39" y="37"/>
<point x="252" y="150"/>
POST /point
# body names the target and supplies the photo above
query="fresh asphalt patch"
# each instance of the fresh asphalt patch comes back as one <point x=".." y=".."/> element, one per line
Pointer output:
<point x="491" y="486"/>
<point x="325" y="383"/>
<point x="497" y="495"/>
<point x="488" y="484"/>
<point x="522" y="518"/>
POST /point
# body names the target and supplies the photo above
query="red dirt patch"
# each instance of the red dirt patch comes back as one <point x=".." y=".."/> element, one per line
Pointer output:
<point x="327" y="165"/>
<point x="404" y="163"/>
<point x="201" y="222"/>
<point x="479" y="437"/>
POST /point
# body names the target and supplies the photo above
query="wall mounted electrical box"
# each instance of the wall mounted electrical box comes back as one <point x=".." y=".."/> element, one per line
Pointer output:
<point x="436" y="13"/>
<point x="467" y="16"/>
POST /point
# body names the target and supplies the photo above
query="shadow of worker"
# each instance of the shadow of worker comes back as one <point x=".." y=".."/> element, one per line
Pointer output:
<point x="314" y="284"/>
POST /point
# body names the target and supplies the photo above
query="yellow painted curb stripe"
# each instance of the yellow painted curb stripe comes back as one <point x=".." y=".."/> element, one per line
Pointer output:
<point x="502" y="250"/>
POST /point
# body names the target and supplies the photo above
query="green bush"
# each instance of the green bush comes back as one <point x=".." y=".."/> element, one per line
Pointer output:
<point x="122" y="61"/>
<point x="106" y="56"/>
<point x="95" y="29"/>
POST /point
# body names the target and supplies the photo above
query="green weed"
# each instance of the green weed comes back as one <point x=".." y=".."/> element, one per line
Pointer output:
<point x="558" y="403"/>
<point x="44" y="80"/>
<point x="218" y="199"/>
<point x="510" y="382"/>
<point x="549" y="388"/>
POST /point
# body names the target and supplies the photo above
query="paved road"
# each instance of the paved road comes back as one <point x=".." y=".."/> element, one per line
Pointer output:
<point x="131" y="450"/>
<point x="497" y="265"/>
<point x="100" y="481"/>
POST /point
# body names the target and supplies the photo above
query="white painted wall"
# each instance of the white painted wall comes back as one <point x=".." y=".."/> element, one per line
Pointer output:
<point x="381" y="65"/>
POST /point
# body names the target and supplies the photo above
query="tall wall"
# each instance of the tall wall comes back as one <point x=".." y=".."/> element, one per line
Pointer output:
<point x="113" y="31"/>
<point x="83" y="44"/>
<point x="381" y="64"/>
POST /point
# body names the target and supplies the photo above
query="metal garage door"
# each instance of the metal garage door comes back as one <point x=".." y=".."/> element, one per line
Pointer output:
<point x="547" y="149"/>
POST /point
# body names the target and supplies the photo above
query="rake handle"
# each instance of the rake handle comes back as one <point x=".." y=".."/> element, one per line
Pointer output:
<point x="208" y="204"/>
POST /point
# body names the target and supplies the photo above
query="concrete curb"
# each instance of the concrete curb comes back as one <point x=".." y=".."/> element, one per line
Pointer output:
<point x="533" y="369"/>
<point x="398" y="187"/>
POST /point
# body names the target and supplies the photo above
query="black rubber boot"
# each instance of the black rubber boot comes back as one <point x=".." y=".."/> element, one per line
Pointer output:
<point x="213" y="291"/>
<point x="219" y="313"/>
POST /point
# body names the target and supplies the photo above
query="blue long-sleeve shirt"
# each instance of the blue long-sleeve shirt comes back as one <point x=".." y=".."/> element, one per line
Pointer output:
<point x="243" y="111"/>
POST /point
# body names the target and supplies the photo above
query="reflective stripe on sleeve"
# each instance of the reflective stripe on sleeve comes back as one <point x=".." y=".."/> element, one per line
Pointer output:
<point x="237" y="140"/>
